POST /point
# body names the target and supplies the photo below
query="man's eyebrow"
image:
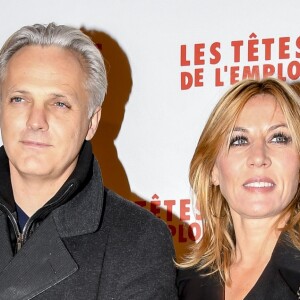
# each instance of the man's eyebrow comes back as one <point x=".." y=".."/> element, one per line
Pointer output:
<point x="18" y="91"/>
<point x="24" y="92"/>
<point x="55" y="95"/>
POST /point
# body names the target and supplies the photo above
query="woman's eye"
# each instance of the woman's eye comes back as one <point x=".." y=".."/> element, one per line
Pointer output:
<point x="281" y="138"/>
<point x="238" y="141"/>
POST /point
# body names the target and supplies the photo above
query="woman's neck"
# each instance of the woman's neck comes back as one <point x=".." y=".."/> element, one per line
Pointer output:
<point x="255" y="240"/>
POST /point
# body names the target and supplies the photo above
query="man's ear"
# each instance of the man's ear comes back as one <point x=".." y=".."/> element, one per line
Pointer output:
<point x="93" y="124"/>
<point x="215" y="176"/>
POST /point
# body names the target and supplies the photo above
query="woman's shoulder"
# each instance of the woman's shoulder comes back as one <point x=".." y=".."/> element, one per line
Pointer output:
<point x="188" y="274"/>
<point x="192" y="283"/>
<point x="286" y="259"/>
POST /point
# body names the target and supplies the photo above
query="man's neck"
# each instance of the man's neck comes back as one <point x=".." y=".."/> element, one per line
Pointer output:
<point x="33" y="193"/>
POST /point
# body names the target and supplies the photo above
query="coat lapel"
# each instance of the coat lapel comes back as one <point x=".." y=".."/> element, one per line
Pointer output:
<point x="6" y="253"/>
<point x="44" y="260"/>
<point x="281" y="277"/>
<point x="39" y="265"/>
<point x="287" y="258"/>
<point x="83" y="214"/>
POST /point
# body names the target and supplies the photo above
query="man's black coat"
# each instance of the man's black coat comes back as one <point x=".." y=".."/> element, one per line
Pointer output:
<point x="85" y="243"/>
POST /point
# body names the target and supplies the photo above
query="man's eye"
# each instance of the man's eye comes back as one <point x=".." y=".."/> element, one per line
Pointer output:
<point x="238" y="141"/>
<point x="281" y="138"/>
<point x="16" y="99"/>
<point x="61" y="104"/>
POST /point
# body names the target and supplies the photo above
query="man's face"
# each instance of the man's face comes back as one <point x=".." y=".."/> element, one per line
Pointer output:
<point x="44" y="112"/>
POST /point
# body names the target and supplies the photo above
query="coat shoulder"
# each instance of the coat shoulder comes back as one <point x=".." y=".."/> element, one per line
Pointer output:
<point x="131" y="214"/>
<point x="139" y="252"/>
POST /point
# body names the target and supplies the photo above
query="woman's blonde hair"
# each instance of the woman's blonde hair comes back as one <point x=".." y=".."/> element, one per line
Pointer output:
<point x="215" y="250"/>
<point x="296" y="87"/>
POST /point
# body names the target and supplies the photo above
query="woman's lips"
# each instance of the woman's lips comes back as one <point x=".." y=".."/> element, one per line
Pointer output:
<point x="259" y="184"/>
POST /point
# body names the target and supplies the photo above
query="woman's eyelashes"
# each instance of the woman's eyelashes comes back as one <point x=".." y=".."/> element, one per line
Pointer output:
<point x="238" y="140"/>
<point x="276" y="138"/>
<point x="281" y="138"/>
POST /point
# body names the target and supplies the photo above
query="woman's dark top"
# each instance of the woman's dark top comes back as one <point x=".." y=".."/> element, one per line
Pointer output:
<point x="280" y="279"/>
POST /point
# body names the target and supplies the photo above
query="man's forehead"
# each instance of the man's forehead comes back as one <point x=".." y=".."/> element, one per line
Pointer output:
<point x="38" y="53"/>
<point x="51" y="71"/>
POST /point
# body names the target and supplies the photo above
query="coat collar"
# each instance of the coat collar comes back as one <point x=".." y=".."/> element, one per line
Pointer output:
<point x="287" y="260"/>
<point x="6" y="193"/>
<point x="44" y="262"/>
<point x="39" y="265"/>
<point x="83" y="186"/>
<point x="78" y="179"/>
<point x="83" y="214"/>
<point x="281" y="277"/>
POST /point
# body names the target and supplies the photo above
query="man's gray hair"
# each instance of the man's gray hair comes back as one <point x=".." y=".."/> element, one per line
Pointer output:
<point x="65" y="37"/>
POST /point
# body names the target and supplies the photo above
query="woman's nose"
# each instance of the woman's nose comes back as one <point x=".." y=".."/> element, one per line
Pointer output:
<point x="258" y="155"/>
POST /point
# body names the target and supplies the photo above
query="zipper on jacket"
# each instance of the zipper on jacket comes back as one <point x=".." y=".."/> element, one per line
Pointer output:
<point x="19" y="242"/>
<point x="15" y="226"/>
<point x="26" y="230"/>
<point x="23" y="236"/>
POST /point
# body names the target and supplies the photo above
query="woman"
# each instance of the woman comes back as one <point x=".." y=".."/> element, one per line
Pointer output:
<point x="245" y="176"/>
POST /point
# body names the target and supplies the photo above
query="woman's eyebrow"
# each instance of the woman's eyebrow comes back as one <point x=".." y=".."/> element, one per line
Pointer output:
<point x="273" y="127"/>
<point x="242" y="129"/>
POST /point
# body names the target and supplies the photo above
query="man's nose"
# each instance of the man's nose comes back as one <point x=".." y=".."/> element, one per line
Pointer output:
<point x="259" y="155"/>
<point x="37" y="119"/>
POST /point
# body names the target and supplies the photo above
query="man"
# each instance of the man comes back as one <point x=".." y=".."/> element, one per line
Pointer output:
<point x="62" y="234"/>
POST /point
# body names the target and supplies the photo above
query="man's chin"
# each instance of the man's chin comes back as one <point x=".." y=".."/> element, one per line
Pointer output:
<point x="34" y="168"/>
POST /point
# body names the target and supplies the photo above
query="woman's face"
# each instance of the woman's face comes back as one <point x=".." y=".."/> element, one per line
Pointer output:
<point x="259" y="174"/>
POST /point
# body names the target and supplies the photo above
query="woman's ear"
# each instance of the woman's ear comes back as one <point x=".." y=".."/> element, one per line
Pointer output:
<point x="215" y="176"/>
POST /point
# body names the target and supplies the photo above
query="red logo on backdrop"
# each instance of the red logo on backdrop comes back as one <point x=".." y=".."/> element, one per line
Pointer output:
<point x="181" y="228"/>
<point x="256" y="52"/>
